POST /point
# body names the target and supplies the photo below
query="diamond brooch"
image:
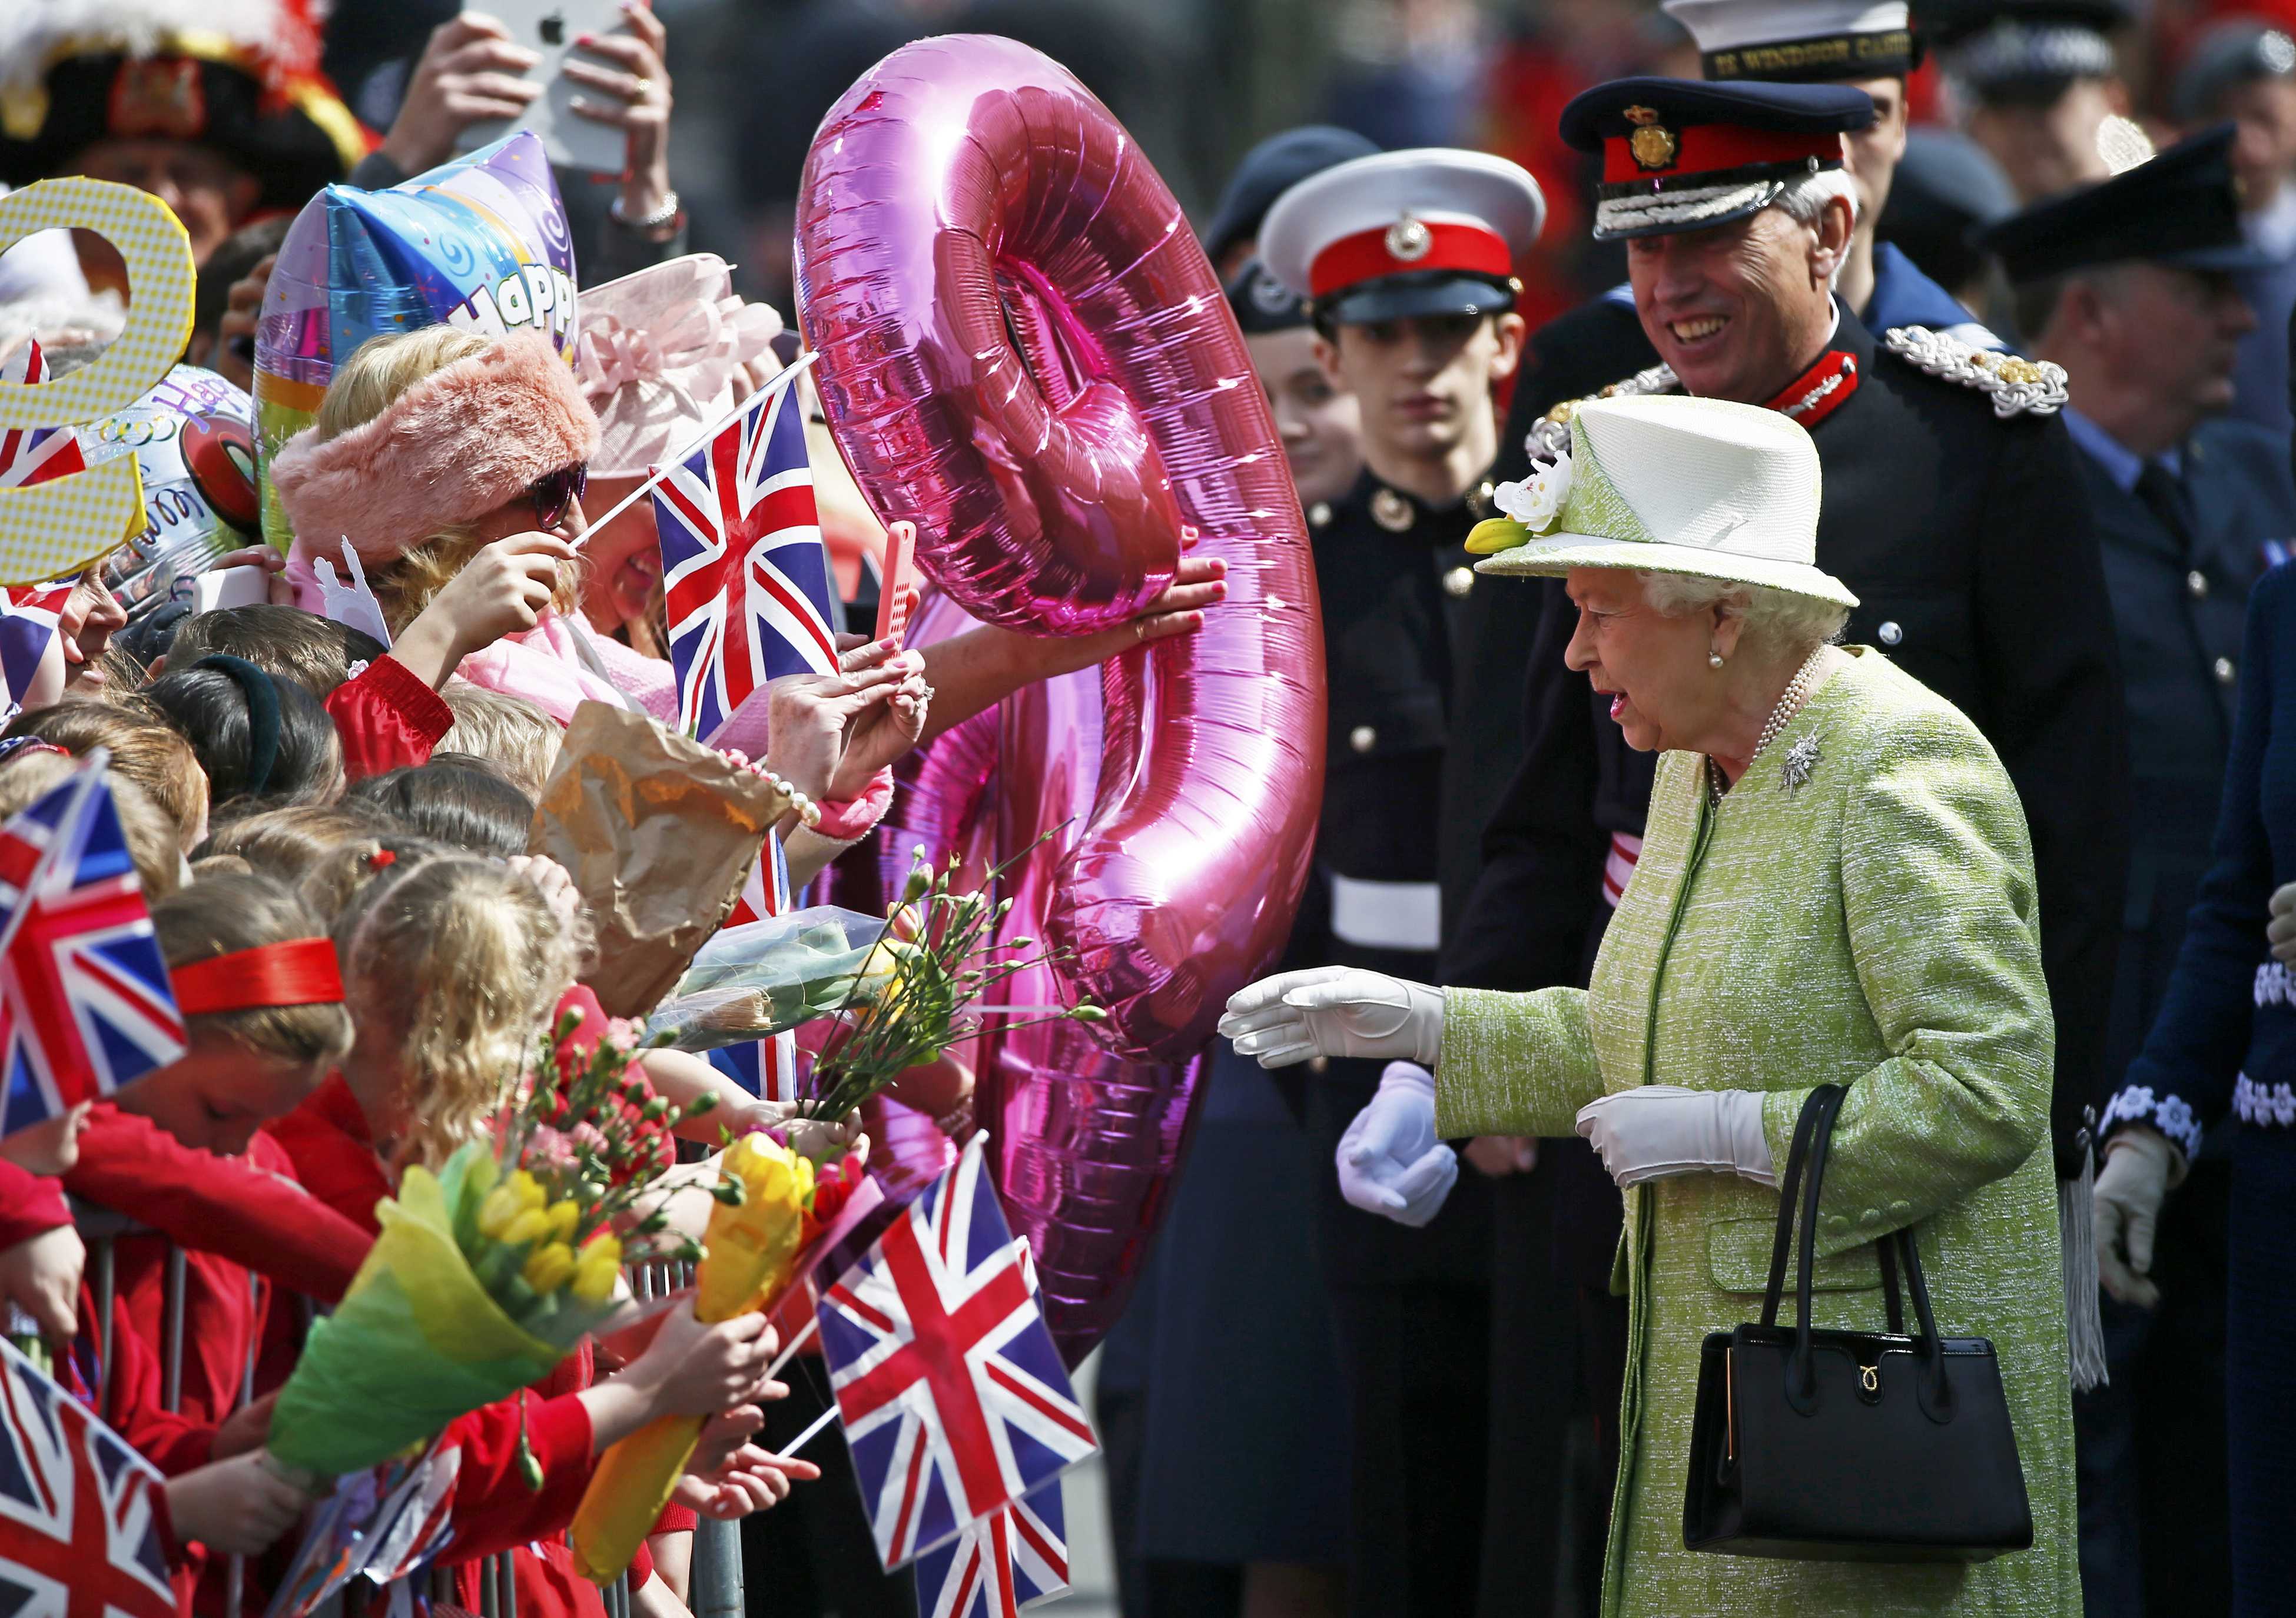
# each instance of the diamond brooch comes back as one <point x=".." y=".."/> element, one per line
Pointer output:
<point x="1799" y="760"/>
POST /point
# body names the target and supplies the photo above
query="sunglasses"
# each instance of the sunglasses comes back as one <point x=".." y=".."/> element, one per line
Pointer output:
<point x="551" y="492"/>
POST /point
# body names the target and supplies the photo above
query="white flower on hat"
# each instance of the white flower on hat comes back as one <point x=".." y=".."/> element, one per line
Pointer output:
<point x="1536" y="503"/>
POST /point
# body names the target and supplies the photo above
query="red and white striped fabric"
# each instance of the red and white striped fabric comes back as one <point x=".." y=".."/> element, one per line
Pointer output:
<point x="765" y="893"/>
<point x="1619" y="866"/>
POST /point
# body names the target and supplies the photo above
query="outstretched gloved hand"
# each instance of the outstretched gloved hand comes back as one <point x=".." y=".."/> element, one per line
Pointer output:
<point x="1335" y="1011"/>
<point x="1390" y="1163"/>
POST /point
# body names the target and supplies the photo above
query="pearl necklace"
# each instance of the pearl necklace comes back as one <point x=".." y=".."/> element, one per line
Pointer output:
<point x="1797" y="693"/>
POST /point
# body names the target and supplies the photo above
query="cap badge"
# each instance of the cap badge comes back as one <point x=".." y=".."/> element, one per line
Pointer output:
<point x="1269" y="295"/>
<point x="1409" y="240"/>
<point x="1390" y="510"/>
<point x="1652" y="144"/>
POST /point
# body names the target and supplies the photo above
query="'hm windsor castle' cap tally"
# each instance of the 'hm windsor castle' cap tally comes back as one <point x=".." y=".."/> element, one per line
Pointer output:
<point x="1682" y="154"/>
<point x="1668" y="484"/>
<point x="1433" y="231"/>
<point x="1799" y="41"/>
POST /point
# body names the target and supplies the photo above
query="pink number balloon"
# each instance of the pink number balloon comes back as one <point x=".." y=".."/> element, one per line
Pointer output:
<point x="968" y="187"/>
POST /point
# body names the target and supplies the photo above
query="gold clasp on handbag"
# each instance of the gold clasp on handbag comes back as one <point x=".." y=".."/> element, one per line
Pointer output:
<point x="1869" y="1377"/>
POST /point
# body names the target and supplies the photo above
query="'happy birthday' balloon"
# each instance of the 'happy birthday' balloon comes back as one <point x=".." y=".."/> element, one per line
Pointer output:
<point x="479" y="242"/>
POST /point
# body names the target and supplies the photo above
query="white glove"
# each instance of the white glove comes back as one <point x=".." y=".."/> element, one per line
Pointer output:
<point x="1389" y="1161"/>
<point x="1335" y="1011"/>
<point x="1659" y="1130"/>
<point x="2280" y="932"/>
<point x="2140" y="1165"/>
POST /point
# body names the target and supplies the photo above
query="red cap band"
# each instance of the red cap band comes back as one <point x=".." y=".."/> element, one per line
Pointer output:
<point x="1368" y="255"/>
<point x="300" y="972"/>
<point x="1711" y="147"/>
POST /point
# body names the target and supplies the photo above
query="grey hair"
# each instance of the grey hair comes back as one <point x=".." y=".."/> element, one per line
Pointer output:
<point x="1775" y="621"/>
<point x="1805" y="201"/>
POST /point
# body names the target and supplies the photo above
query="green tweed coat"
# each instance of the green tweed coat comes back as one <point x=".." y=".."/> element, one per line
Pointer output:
<point x="1874" y="927"/>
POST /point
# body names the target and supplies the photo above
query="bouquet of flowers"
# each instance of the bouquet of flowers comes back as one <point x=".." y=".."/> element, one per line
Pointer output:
<point x="776" y="1215"/>
<point x="765" y="976"/>
<point x="490" y="1272"/>
<point x="911" y="999"/>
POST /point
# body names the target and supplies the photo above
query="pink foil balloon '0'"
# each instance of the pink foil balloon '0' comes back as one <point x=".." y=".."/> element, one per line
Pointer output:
<point x="1024" y="351"/>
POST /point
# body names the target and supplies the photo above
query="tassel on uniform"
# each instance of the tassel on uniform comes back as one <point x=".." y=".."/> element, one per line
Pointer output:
<point x="2076" y="1237"/>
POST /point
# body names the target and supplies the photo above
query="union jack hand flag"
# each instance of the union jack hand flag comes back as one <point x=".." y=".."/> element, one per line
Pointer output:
<point x="743" y="564"/>
<point x="953" y="1401"/>
<point x="767" y="1068"/>
<point x="34" y="454"/>
<point x="85" y="1002"/>
<point x="1015" y="1557"/>
<point x="78" y="1535"/>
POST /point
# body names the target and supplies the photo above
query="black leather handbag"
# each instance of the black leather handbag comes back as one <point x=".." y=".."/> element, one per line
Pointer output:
<point x="1850" y="1446"/>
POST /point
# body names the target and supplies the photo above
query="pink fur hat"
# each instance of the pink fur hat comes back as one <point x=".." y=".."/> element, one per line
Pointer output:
<point x="454" y="447"/>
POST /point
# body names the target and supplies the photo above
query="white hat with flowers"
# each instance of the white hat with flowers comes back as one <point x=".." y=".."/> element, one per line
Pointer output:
<point x="1668" y="484"/>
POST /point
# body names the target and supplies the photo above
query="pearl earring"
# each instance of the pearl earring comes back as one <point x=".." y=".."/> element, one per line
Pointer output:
<point x="1713" y="659"/>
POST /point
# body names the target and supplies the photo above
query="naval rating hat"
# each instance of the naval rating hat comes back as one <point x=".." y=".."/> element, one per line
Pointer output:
<point x="1427" y="231"/>
<point x="1801" y="41"/>
<point x="1665" y="483"/>
<point x="1682" y="155"/>
<point x="1263" y="304"/>
<point x="2181" y="208"/>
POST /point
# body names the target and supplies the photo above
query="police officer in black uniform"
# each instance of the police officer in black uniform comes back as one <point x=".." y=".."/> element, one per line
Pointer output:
<point x="1953" y="509"/>
<point x="1407" y="259"/>
<point x="2131" y="286"/>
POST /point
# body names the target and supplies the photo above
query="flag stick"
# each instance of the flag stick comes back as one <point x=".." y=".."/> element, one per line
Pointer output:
<point x="810" y="1433"/>
<point x="594" y="524"/>
<point x="794" y="1344"/>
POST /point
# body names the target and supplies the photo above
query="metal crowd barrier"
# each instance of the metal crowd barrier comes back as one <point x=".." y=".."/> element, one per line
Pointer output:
<point x="715" y="1587"/>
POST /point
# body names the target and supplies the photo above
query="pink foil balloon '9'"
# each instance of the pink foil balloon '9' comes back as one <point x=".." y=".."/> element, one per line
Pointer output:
<point x="1024" y="352"/>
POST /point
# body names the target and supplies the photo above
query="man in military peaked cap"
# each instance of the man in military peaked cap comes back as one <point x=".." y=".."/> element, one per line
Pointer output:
<point x="1947" y="510"/>
<point x="2132" y="286"/>
<point x="1407" y="262"/>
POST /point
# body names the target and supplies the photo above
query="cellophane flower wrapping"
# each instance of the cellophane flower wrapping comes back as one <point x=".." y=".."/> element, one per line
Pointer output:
<point x="762" y="977"/>
<point x="752" y="1253"/>
<point x="420" y="1338"/>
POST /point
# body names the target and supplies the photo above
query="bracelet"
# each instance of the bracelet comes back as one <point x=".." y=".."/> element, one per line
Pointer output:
<point x="667" y="214"/>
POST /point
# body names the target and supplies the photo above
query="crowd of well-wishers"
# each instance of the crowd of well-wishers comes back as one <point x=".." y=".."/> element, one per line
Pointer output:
<point x="282" y="777"/>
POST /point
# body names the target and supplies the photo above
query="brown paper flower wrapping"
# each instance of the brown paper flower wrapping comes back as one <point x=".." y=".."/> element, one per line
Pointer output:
<point x="660" y="834"/>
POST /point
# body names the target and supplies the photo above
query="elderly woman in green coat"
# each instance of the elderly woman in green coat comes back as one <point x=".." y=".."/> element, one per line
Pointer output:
<point x="1835" y="887"/>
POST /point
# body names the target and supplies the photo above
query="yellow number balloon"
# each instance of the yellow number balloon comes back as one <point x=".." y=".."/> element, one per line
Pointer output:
<point x="62" y="525"/>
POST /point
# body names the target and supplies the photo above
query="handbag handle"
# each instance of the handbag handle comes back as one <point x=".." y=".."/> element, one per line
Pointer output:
<point x="1816" y="1124"/>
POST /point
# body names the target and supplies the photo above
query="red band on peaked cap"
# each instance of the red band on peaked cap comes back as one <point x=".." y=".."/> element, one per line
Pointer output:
<point x="1712" y="147"/>
<point x="300" y="972"/>
<point x="1365" y="256"/>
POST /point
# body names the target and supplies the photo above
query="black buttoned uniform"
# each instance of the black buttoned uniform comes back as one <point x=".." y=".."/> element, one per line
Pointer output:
<point x="1412" y="1305"/>
<point x="2181" y="550"/>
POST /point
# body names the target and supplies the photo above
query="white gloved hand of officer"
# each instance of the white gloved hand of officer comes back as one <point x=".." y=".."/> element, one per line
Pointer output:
<point x="2140" y="1168"/>
<point x="1390" y="1163"/>
<point x="1335" y="1011"/>
<point x="1658" y="1130"/>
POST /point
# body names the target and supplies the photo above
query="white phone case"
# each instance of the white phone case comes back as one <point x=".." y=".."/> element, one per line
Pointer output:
<point x="550" y="28"/>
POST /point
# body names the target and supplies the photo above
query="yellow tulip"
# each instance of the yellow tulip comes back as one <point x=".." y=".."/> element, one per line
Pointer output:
<point x="531" y="1194"/>
<point x="501" y="1206"/>
<point x="549" y="1266"/>
<point x="596" y="1271"/>
<point x="564" y="1214"/>
<point x="530" y="1225"/>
